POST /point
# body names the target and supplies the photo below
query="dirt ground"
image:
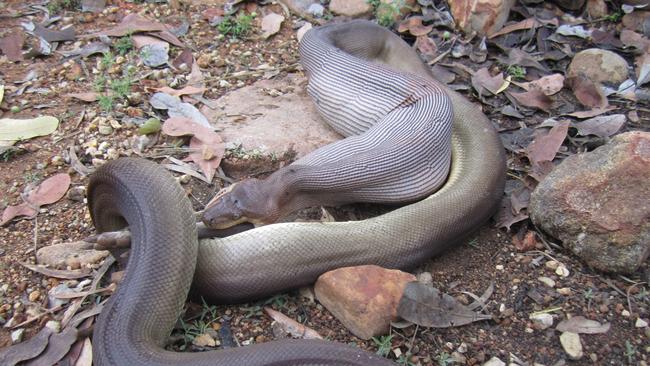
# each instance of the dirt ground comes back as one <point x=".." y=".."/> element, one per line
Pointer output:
<point x="488" y="257"/>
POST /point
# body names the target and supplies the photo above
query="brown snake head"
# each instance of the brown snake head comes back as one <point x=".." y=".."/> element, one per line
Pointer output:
<point x="239" y="203"/>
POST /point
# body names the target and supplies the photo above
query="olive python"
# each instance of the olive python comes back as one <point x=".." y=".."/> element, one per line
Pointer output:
<point x="409" y="137"/>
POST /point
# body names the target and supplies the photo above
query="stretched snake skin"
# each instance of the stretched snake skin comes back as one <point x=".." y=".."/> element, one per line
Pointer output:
<point x="166" y="257"/>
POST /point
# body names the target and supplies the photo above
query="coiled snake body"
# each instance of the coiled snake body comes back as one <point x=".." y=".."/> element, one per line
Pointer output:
<point x="403" y="131"/>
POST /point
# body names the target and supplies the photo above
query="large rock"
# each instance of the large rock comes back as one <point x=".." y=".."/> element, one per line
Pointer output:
<point x="272" y="116"/>
<point x="597" y="203"/>
<point x="599" y="66"/>
<point x="481" y="16"/>
<point x="76" y="255"/>
<point x="351" y="8"/>
<point x="363" y="298"/>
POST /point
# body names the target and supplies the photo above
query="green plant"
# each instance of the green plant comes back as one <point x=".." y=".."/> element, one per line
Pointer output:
<point x="121" y="87"/>
<point x="405" y="360"/>
<point x="630" y="351"/>
<point x="124" y="45"/>
<point x="384" y="344"/>
<point x="614" y="17"/>
<point x="105" y="102"/>
<point x="100" y="83"/>
<point x="444" y="359"/>
<point x="32" y="176"/>
<point x="55" y="6"/>
<point x="236" y="27"/>
<point x="473" y="243"/>
<point x="199" y="325"/>
<point x="386" y="12"/>
<point x="7" y="154"/>
<point x="107" y="60"/>
<point x="516" y="71"/>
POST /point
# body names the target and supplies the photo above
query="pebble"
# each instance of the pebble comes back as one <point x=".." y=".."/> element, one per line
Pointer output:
<point x="566" y="291"/>
<point x="499" y="267"/>
<point x="204" y="340"/>
<point x="316" y="10"/>
<point x="625" y="313"/>
<point x="17" y="335"/>
<point x="494" y="361"/>
<point x="572" y="345"/>
<point x="543" y="320"/>
<point x="57" y="160"/>
<point x="34" y="295"/>
<point x="552" y="265"/>
<point x="54" y="325"/>
<point x="425" y="278"/>
<point x="53" y="301"/>
<point x="640" y="323"/>
<point x="105" y="129"/>
<point x="562" y="271"/>
<point x="547" y="281"/>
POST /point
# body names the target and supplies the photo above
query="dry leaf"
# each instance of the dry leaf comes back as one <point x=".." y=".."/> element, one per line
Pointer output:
<point x="526" y="244"/>
<point x="482" y="80"/>
<point x="57" y="347"/>
<point x="133" y="23"/>
<point x="11" y="212"/>
<point x="579" y="324"/>
<point x="534" y="98"/>
<point x="50" y="35"/>
<point x="546" y="146"/>
<point x="524" y="24"/>
<point x="86" y="97"/>
<point x="291" y="326"/>
<point x="429" y="307"/>
<point x="12" y="44"/>
<point x="140" y="41"/>
<point x="603" y="126"/>
<point x="49" y="191"/>
<point x="414" y="26"/>
<point x="587" y="92"/>
<point x="188" y="90"/>
<point x="26" y="350"/>
<point x="591" y="113"/>
<point x="519" y="57"/>
<point x="505" y="217"/>
<point x="426" y="46"/>
<point x="185" y="57"/>
<point x="271" y="24"/>
<point x="548" y="85"/>
<point x="22" y="129"/>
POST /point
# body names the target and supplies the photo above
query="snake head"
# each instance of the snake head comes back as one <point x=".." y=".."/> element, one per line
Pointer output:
<point x="236" y="204"/>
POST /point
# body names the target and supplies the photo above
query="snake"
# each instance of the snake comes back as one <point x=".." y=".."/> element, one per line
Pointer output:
<point x="410" y="139"/>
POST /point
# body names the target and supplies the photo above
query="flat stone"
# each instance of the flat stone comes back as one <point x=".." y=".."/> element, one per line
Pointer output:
<point x="592" y="203"/>
<point x="351" y="8"/>
<point x="363" y="298"/>
<point x="494" y="361"/>
<point x="17" y="335"/>
<point x="599" y="65"/>
<point x="271" y="116"/>
<point x="204" y="340"/>
<point x="481" y="16"/>
<point x="571" y="345"/>
<point x="547" y="281"/>
<point x="76" y="255"/>
<point x="543" y="320"/>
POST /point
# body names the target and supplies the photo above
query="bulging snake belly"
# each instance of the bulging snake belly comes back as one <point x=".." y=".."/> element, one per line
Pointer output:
<point x="402" y="127"/>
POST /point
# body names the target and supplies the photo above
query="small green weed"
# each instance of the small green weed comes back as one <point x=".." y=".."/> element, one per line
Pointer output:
<point x="107" y="60"/>
<point x="99" y="84"/>
<point x="32" y="177"/>
<point x="200" y="325"/>
<point x="614" y="17"/>
<point x="516" y="71"/>
<point x="123" y="45"/>
<point x="444" y="359"/>
<point x="237" y="27"/>
<point x="106" y="102"/>
<point x="384" y="344"/>
<point x="8" y="154"/>
<point x="386" y="13"/>
<point x="473" y="243"/>
<point x="121" y="87"/>
<point x="630" y="351"/>
<point x="405" y="360"/>
<point x="55" y="6"/>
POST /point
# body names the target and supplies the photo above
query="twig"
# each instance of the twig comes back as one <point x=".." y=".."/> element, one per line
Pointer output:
<point x="47" y="311"/>
<point x="439" y="57"/>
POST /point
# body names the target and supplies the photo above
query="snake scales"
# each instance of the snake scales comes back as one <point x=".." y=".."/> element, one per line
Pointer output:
<point x="166" y="257"/>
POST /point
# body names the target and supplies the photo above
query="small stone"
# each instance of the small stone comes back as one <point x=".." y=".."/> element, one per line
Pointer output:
<point x="552" y="265"/>
<point x="571" y="345"/>
<point x="316" y="10"/>
<point x="593" y="357"/>
<point x="105" y="129"/>
<point x="54" y="325"/>
<point x="542" y="321"/>
<point x="625" y="313"/>
<point x="499" y="267"/>
<point x="224" y="83"/>
<point x="52" y="300"/>
<point x="204" y="340"/>
<point x="17" y="335"/>
<point x="204" y="61"/>
<point x="350" y="8"/>
<point x="547" y="281"/>
<point x="494" y="361"/>
<point x="363" y="298"/>
<point x="57" y="160"/>
<point x="34" y="296"/>
<point x="640" y="323"/>
<point x="462" y="348"/>
<point x="599" y="65"/>
<point x="562" y="271"/>
<point x="425" y="278"/>
<point x="566" y="291"/>
<point x="184" y="179"/>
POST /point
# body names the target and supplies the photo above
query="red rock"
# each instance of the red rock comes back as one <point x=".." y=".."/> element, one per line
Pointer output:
<point x="597" y="203"/>
<point x="363" y="298"/>
<point x="481" y="16"/>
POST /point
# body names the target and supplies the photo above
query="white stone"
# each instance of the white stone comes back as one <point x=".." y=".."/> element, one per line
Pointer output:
<point x="17" y="335"/>
<point x="640" y="323"/>
<point x="547" y="281"/>
<point x="572" y="345"/>
<point x="494" y="361"/>
<point x="543" y="320"/>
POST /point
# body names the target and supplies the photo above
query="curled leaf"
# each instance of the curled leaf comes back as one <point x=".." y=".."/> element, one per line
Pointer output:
<point x="291" y="326"/>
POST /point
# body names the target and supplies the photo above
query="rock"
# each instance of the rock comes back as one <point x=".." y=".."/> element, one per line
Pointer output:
<point x="17" y="335"/>
<point x="351" y="8"/>
<point x="481" y="16"/>
<point x="204" y="340"/>
<point x="272" y="116"/>
<point x="596" y="8"/>
<point x="572" y="345"/>
<point x="591" y="203"/>
<point x="301" y="7"/>
<point x="76" y="255"/>
<point x="425" y="278"/>
<point x="363" y="298"/>
<point x="640" y="323"/>
<point x="599" y="65"/>
<point x="542" y="321"/>
<point x="34" y="295"/>
<point x="52" y="300"/>
<point x="77" y="193"/>
<point x="494" y="361"/>
<point x="566" y="291"/>
<point x="54" y="325"/>
<point x="547" y="281"/>
<point x="316" y="10"/>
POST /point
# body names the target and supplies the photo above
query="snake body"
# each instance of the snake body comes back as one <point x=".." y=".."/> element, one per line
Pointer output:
<point x="166" y="257"/>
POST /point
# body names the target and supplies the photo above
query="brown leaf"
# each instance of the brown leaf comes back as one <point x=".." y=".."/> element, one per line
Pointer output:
<point x="519" y="57"/>
<point x="58" y="346"/>
<point x="642" y="64"/>
<point x="634" y="39"/>
<point x="12" y="44"/>
<point x="579" y="324"/>
<point x="56" y="273"/>
<point x="414" y="26"/>
<point x="545" y="146"/>
<point x="291" y="326"/>
<point x="133" y="23"/>
<point x="178" y="92"/>
<point x="519" y="199"/>
<point x="526" y="244"/>
<point x="505" y="217"/>
<point x="26" y="350"/>
<point x="185" y="57"/>
<point x="86" y="97"/>
<point x="534" y="98"/>
<point x="140" y="41"/>
<point x="587" y="92"/>
<point x="50" y="190"/>
<point x="426" y="46"/>
<point x="482" y="80"/>
<point x="524" y="24"/>
<point x="603" y="126"/>
<point x="429" y="307"/>
<point x="271" y="24"/>
<point x="11" y="212"/>
<point x="50" y="35"/>
<point x="591" y="113"/>
<point x="548" y="85"/>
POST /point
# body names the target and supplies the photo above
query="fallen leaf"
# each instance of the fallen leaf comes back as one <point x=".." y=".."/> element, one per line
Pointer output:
<point x="57" y="347"/>
<point x="87" y="50"/>
<point x="426" y="46"/>
<point x="185" y="57"/>
<point x="22" y="129"/>
<point x="12" y="44"/>
<point x="26" y="350"/>
<point x="414" y="26"/>
<point x="178" y="92"/>
<point x="49" y="191"/>
<point x="429" y="307"/>
<point x="86" y="97"/>
<point x="133" y="23"/>
<point x="519" y="57"/>
<point x="580" y="324"/>
<point x="50" y="35"/>
<point x="86" y="355"/>
<point x="519" y="199"/>
<point x="56" y="273"/>
<point x="526" y="244"/>
<point x="634" y="39"/>
<point x="140" y="40"/>
<point x="642" y="64"/>
<point x="291" y="326"/>
<point x="548" y="85"/>
<point x="482" y="80"/>
<point x="11" y="212"/>
<point x="505" y="217"/>
<point x="587" y="92"/>
<point x="534" y="98"/>
<point x="271" y="24"/>
<point x="591" y="113"/>
<point x="573" y="30"/>
<point x="546" y="145"/>
<point x="602" y="126"/>
<point x="529" y="23"/>
<point x="176" y="108"/>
